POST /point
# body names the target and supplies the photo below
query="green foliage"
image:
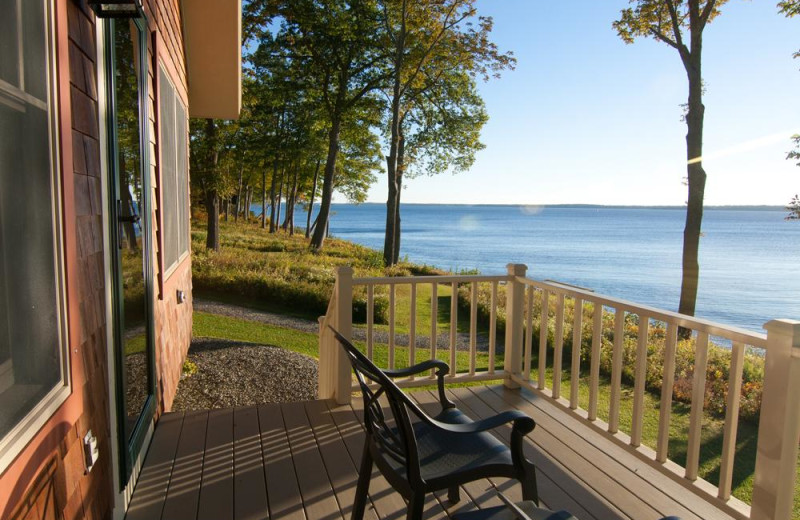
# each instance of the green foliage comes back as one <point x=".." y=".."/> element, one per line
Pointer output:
<point x="188" y="369"/>
<point x="794" y="204"/>
<point x="665" y="20"/>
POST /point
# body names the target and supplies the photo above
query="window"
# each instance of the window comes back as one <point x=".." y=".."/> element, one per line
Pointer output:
<point x="33" y="375"/>
<point x="174" y="173"/>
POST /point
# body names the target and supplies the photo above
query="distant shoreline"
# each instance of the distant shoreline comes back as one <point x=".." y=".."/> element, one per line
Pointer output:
<point x="756" y="207"/>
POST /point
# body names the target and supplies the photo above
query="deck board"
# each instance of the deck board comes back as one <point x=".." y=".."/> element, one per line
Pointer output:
<point x="282" y="489"/>
<point x="183" y="496"/>
<point x="299" y="461"/>
<point x="249" y="484"/>
<point x="319" y="500"/>
<point x="216" y="493"/>
<point x="150" y="494"/>
<point x="340" y="468"/>
<point x="629" y="471"/>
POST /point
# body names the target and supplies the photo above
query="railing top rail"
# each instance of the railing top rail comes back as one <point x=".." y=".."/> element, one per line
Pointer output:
<point x="732" y="333"/>
<point x="394" y="280"/>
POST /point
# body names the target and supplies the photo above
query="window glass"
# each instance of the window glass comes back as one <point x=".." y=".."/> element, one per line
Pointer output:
<point x="30" y="336"/>
<point x="174" y="173"/>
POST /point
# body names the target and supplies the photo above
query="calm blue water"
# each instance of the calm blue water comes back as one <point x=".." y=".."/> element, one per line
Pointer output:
<point x="748" y="258"/>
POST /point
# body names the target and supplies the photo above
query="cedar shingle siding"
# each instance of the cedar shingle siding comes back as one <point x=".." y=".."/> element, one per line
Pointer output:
<point x="48" y="480"/>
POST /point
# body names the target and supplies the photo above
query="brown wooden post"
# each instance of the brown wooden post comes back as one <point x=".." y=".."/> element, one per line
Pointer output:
<point x="779" y="424"/>
<point x="515" y="292"/>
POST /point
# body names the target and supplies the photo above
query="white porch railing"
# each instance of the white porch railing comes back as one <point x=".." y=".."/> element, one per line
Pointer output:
<point x="779" y="423"/>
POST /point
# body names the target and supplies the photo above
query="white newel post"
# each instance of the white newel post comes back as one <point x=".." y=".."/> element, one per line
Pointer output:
<point x="343" y="322"/>
<point x="515" y="303"/>
<point x="779" y="425"/>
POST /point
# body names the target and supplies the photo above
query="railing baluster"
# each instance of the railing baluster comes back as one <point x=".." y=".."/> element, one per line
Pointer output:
<point x="473" y="327"/>
<point x="639" y="380"/>
<point x="616" y="371"/>
<point x="526" y="365"/>
<point x="558" y="346"/>
<point x="543" y="341"/>
<point x="412" y="328"/>
<point x="453" y="326"/>
<point x="731" y="421"/>
<point x="434" y="320"/>
<point x="594" y="369"/>
<point x="577" y="336"/>
<point x="493" y="328"/>
<point x="370" y="318"/>
<point x="391" y="325"/>
<point x="668" y="381"/>
<point x="698" y="400"/>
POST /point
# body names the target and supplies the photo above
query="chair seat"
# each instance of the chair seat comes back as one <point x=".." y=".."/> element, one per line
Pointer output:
<point x="445" y="454"/>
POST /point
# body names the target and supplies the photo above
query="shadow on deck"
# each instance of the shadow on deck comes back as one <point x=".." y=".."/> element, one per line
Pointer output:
<point x="300" y="460"/>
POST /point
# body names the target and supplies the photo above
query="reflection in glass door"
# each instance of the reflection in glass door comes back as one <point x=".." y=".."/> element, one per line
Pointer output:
<point x="130" y="230"/>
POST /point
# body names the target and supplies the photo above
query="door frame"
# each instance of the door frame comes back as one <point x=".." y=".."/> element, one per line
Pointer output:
<point x="129" y="451"/>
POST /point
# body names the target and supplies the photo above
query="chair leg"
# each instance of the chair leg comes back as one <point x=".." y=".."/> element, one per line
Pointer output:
<point x="529" y="491"/>
<point x="364" y="476"/>
<point x="415" y="506"/>
<point x="453" y="494"/>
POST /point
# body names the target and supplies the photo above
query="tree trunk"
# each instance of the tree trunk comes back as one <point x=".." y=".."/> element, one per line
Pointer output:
<point x="127" y="209"/>
<point x="318" y="238"/>
<point x="401" y="152"/>
<point x="390" y="236"/>
<point x="290" y="208"/>
<point x="248" y="201"/>
<point x="272" y="209"/>
<point x="311" y="200"/>
<point x="263" y="198"/>
<point x="239" y="195"/>
<point x="212" y="207"/>
<point x="696" y="179"/>
<point x="694" y="210"/>
<point x="212" y="200"/>
<point x="280" y="197"/>
<point x="225" y="205"/>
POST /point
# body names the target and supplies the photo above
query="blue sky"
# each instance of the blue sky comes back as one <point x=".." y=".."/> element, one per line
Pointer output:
<point x="585" y="118"/>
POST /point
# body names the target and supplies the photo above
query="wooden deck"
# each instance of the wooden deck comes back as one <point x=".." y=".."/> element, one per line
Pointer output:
<point x="299" y="460"/>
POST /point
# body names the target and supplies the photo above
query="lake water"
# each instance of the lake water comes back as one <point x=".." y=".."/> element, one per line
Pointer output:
<point x="748" y="257"/>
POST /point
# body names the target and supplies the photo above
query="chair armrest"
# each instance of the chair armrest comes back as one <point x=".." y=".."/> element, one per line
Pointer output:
<point x="522" y="423"/>
<point x="442" y="370"/>
<point x="440" y="366"/>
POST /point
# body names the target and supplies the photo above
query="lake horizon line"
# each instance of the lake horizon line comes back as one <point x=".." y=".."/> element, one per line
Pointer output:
<point x="731" y="207"/>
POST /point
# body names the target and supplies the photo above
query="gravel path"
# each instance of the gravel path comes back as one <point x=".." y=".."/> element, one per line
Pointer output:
<point x="380" y="336"/>
<point x="234" y="373"/>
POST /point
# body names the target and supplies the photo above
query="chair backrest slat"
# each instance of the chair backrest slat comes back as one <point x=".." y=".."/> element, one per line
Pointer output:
<point x="393" y="436"/>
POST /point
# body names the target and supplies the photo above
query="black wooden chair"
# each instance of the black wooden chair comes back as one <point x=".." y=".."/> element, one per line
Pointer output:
<point x="431" y="453"/>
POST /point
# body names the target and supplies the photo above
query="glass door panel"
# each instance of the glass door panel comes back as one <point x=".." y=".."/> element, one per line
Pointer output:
<point x="130" y="228"/>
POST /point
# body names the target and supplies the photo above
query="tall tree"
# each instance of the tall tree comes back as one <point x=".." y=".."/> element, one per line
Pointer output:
<point x="671" y="22"/>
<point x="792" y="8"/>
<point x="335" y="44"/>
<point x="794" y="204"/>
<point x="424" y="40"/>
